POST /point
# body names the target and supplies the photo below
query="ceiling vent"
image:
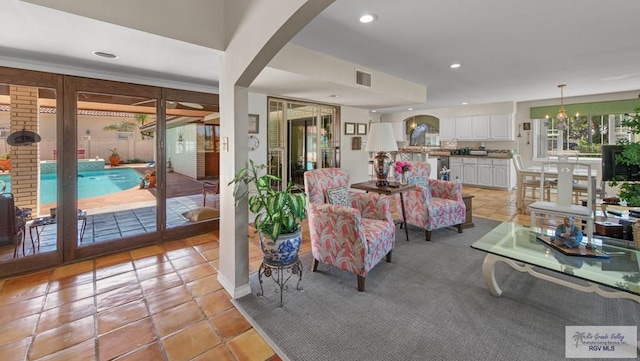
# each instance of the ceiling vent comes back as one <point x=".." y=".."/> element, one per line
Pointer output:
<point x="363" y="78"/>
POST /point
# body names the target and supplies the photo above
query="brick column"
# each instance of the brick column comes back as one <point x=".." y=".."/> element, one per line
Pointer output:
<point x="25" y="160"/>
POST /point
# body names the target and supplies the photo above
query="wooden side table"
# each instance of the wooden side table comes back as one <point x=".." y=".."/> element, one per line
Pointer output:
<point x="468" y="218"/>
<point x="394" y="188"/>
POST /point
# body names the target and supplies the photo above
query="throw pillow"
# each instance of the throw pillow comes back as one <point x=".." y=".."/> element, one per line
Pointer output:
<point x="201" y="214"/>
<point x="339" y="196"/>
<point x="417" y="180"/>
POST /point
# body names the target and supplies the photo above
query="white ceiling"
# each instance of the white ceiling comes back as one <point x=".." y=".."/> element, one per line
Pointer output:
<point x="509" y="50"/>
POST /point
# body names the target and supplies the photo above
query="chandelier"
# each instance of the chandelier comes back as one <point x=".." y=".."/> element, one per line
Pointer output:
<point x="562" y="114"/>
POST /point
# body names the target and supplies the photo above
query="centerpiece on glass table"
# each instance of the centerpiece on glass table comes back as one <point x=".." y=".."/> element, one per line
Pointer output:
<point x="402" y="168"/>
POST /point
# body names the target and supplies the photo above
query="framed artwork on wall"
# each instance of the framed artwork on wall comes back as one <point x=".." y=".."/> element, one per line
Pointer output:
<point x="349" y="128"/>
<point x="356" y="143"/>
<point x="526" y="126"/>
<point x="362" y="129"/>
<point x="254" y="123"/>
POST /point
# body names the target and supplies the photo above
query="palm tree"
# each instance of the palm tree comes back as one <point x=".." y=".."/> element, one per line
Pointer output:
<point x="128" y="126"/>
<point x="578" y="337"/>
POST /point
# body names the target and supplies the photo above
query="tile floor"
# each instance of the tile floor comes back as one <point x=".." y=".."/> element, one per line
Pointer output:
<point x="161" y="302"/>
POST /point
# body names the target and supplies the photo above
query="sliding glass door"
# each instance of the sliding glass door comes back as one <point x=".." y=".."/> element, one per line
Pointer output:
<point x="301" y="137"/>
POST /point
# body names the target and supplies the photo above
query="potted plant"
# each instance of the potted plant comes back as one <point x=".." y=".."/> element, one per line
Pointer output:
<point x="278" y="213"/>
<point x="5" y="161"/>
<point x="630" y="156"/>
<point x="114" y="158"/>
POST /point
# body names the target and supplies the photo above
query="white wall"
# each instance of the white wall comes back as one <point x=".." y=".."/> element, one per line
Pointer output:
<point x="258" y="105"/>
<point x="355" y="161"/>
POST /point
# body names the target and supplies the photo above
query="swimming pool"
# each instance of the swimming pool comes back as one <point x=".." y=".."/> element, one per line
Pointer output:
<point x="90" y="183"/>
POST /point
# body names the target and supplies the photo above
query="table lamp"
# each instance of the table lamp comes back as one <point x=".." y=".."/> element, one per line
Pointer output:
<point x="381" y="139"/>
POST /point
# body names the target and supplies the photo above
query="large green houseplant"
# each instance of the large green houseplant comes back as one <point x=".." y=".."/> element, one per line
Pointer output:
<point x="278" y="212"/>
<point x="630" y="156"/>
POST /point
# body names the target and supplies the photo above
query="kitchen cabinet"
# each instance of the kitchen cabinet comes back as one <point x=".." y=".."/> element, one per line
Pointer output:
<point x="447" y="128"/>
<point x="469" y="171"/>
<point x="464" y="130"/>
<point x="480" y="127"/>
<point x="485" y="172"/>
<point x="501" y="127"/>
<point x="456" y="169"/>
<point x="502" y="174"/>
<point x="482" y="171"/>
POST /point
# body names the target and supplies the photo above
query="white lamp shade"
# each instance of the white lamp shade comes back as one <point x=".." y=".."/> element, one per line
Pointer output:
<point x="381" y="138"/>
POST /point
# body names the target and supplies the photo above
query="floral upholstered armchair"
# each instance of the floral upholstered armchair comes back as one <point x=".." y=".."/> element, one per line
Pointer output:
<point x="433" y="204"/>
<point x="349" y="230"/>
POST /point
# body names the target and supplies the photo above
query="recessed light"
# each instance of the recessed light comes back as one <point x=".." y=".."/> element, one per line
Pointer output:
<point x="455" y="66"/>
<point x="373" y="111"/>
<point x="464" y="103"/>
<point x="410" y="109"/>
<point x="102" y="54"/>
<point x="367" y="18"/>
<point x="334" y="96"/>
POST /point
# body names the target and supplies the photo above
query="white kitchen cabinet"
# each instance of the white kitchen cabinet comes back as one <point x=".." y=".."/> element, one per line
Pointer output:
<point x="480" y="127"/>
<point x="501" y="127"/>
<point x="464" y="130"/>
<point x="469" y="171"/>
<point x="447" y="128"/>
<point x="485" y="172"/>
<point x="503" y="174"/>
<point x="456" y="169"/>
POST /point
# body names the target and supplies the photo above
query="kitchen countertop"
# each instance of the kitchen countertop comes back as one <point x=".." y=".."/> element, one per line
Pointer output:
<point x="490" y="155"/>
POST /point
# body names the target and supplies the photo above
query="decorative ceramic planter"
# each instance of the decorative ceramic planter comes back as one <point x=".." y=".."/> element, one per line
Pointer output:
<point x="283" y="251"/>
<point x="114" y="161"/>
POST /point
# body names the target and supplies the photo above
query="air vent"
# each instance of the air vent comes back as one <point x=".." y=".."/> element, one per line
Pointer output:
<point x="363" y="78"/>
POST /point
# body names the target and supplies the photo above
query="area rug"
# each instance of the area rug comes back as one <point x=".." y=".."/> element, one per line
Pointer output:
<point x="429" y="303"/>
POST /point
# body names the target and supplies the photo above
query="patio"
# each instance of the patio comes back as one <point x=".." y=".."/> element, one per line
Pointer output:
<point x="122" y="214"/>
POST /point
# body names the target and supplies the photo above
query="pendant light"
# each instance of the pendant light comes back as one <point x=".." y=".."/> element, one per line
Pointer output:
<point x="562" y="114"/>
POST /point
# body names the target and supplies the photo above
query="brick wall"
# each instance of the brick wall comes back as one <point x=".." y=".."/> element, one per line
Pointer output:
<point x="24" y="159"/>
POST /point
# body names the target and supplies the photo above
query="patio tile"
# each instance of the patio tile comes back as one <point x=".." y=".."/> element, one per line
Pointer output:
<point x="214" y="302"/>
<point x="177" y="318"/>
<point x="160" y="283"/>
<point x="16" y="350"/>
<point x="125" y="339"/>
<point x="145" y="259"/>
<point x="72" y="270"/>
<point x="17" y="329"/>
<point x="83" y="351"/>
<point x="202" y="286"/>
<point x="151" y="351"/>
<point x="154" y="270"/>
<point x="68" y="295"/>
<point x="113" y="259"/>
<point x="118" y="297"/>
<point x="116" y="317"/>
<point x="113" y="270"/>
<point x="218" y="353"/>
<point x="250" y="346"/>
<point x="18" y="310"/>
<point x="64" y="336"/>
<point x="196" y="272"/>
<point x="230" y="323"/>
<point x="120" y="280"/>
<point x="66" y="313"/>
<point x="166" y="299"/>
<point x="186" y="344"/>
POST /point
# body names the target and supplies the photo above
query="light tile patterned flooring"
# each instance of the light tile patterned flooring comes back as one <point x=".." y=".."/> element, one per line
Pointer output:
<point x="161" y="302"/>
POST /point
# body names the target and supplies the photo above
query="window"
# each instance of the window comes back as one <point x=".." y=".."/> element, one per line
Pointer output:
<point x="583" y="136"/>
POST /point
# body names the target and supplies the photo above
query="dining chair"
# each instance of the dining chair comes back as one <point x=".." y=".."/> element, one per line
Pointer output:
<point x="529" y="182"/>
<point x="564" y="172"/>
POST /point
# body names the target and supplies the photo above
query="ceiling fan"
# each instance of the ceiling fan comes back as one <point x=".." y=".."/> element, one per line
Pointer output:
<point x="172" y="104"/>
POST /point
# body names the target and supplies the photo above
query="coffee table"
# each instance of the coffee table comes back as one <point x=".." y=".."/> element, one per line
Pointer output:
<point x="517" y="246"/>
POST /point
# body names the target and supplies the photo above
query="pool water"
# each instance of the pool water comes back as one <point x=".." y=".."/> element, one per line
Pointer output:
<point x="90" y="184"/>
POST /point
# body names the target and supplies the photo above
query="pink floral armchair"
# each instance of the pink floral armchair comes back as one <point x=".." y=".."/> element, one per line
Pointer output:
<point x="353" y="237"/>
<point x="433" y="204"/>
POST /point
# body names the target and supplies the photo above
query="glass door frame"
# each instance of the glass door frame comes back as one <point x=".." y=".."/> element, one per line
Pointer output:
<point x="35" y="79"/>
<point x="68" y="169"/>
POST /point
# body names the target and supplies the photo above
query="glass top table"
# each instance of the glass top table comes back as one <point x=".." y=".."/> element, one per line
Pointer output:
<point x="518" y="246"/>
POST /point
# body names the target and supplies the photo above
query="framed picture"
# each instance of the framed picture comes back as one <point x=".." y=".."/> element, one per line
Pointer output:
<point x="362" y="129"/>
<point x="349" y="128"/>
<point x="356" y="143"/>
<point x="254" y="123"/>
<point x="526" y="126"/>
